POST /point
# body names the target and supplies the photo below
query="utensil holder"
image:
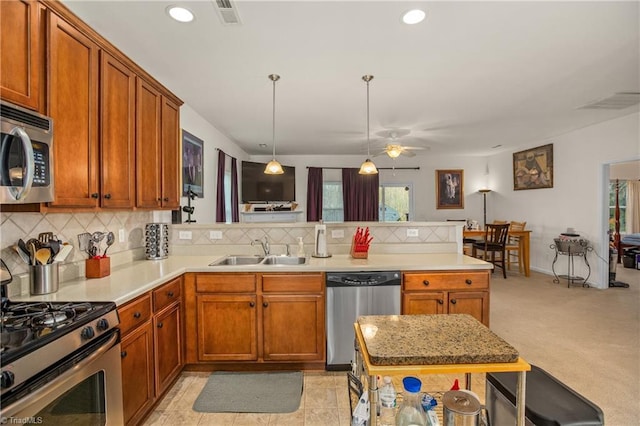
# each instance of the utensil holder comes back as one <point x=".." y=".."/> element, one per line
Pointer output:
<point x="43" y="279"/>
<point x="358" y="251"/>
<point x="98" y="267"/>
<point x="156" y="241"/>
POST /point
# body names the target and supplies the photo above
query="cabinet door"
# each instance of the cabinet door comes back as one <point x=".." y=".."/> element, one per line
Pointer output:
<point x="148" y="160"/>
<point x="117" y="133"/>
<point x="137" y="373"/>
<point x="73" y="105"/>
<point x="167" y="347"/>
<point x="427" y="303"/>
<point x="227" y="329"/>
<point x="20" y="57"/>
<point x="293" y="327"/>
<point x="170" y="154"/>
<point x="474" y="303"/>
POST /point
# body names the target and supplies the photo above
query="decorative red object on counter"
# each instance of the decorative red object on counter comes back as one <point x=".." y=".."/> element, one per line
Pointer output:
<point x="360" y="243"/>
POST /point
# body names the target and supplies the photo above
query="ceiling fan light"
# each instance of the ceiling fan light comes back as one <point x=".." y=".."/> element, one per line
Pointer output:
<point x="394" y="151"/>
<point x="368" y="168"/>
<point x="273" y="168"/>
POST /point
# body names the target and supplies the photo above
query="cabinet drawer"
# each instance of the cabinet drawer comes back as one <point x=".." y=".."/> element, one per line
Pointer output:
<point x="308" y="283"/>
<point x="134" y="313"/>
<point x="445" y="281"/>
<point x="167" y="294"/>
<point x="226" y="283"/>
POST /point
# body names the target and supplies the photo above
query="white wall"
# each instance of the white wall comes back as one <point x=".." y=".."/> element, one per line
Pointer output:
<point x="193" y="123"/>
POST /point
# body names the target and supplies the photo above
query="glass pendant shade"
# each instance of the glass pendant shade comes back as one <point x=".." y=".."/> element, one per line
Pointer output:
<point x="273" y="168"/>
<point x="368" y="168"/>
<point x="394" y="151"/>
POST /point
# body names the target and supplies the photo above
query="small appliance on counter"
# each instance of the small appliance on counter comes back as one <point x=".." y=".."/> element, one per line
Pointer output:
<point x="321" y="241"/>
<point x="156" y="241"/>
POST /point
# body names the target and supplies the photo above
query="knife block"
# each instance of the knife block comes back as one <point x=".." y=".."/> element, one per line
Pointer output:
<point x="98" y="267"/>
<point x="358" y="251"/>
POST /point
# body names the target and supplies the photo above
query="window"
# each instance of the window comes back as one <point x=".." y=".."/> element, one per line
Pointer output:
<point x="332" y="206"/>
<point x="395" y="202"/>
<point x="622" y="202"/>
<point x="228" y="215"/>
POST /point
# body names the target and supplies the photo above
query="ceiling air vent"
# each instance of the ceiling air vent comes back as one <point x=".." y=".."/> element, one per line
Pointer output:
<point x="227" y="12"/>
<point x="620" y="100"/>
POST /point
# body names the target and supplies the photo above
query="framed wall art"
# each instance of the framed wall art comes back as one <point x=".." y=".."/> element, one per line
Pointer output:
<point x="533" y="168"/>
<point x="449" y="189"/>
<point x="192" y="171"/>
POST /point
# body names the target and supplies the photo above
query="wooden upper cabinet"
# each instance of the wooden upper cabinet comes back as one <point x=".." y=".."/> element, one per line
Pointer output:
<point x="170" y="154"/>
<point x="117" y="133"/>
<point x="73" y="105"/>
<point x="148" y="158"/>
<point x="21" y="53"/>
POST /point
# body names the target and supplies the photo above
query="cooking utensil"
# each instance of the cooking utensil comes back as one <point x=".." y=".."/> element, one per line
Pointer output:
<point x="63" y="253"/>
<point x="83" y="242"/>
<point x="110" y="240"/>
<point x="44" y="237"/>
<point x="24" y="256"/>
<point x="43" y="255"/>
<point x="96" y="239"/>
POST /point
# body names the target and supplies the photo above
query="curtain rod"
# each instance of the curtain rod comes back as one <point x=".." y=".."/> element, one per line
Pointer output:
<point x="379" y="168"/>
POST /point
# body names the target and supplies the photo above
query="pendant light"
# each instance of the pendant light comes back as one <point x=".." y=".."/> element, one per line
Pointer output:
<point x="273" y="167"/>
<point x="368" y="168"/>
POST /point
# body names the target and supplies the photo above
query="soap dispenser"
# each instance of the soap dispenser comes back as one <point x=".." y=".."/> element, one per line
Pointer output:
<point x="300" y="247"/>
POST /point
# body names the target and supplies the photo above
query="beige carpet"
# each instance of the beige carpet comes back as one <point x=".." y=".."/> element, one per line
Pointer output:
<point x="587" y="338"/>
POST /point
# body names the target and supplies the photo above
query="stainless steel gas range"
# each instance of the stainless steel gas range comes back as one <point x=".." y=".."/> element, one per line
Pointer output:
<point x="60" y="363"/>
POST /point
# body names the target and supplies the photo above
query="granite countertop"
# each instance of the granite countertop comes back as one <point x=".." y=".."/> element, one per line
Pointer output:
<point x="130" y="280"/>
<point x="432" y="340"/>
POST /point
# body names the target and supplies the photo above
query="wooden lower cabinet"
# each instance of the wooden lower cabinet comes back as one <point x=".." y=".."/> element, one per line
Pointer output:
<point x="447" y="292"/>
<point x="264" y="318"/>
<point x="151" y="348"/>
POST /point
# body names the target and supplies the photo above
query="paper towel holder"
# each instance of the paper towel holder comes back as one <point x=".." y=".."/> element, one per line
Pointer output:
<point x="320" y="230"/>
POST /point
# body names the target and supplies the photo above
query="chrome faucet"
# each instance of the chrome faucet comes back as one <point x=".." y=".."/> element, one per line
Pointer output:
<point x="265" y="245"/>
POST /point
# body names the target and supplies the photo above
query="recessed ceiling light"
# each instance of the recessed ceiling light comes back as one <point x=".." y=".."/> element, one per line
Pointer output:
<point x="263" y="145"/>
<point x="413" y="16"/>
<point x="180" y="14"/>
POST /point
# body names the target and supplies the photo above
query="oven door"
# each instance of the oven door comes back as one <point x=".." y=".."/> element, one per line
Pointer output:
<point x="85" y="389"/>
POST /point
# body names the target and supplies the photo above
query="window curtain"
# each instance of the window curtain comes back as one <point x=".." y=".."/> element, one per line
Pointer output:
<point x="235" y="210"/>
<point x="633" y="207"/>
<point x="220" y="205"/>
<point x="314" y="194"/>
<point x="360" y="194"/>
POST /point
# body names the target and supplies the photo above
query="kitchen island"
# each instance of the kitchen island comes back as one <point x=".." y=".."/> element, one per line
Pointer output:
<point x="433" y="344"/>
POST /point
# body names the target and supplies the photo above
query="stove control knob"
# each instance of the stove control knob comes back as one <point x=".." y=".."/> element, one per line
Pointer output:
<point x="87" y="333"/>
<point x="7" y="379"/>
<point x="102" y="324"/>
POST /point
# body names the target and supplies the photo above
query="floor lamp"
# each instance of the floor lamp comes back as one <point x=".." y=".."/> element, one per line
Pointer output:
<point x="484" y="193"/>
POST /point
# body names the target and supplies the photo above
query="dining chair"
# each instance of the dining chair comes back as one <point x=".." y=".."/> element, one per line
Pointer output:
<point x="513" y="246"/>
<point x="495" y="241"/>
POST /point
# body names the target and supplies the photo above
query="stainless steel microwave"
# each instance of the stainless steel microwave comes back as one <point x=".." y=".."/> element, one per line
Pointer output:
<point x="26" y="156"/>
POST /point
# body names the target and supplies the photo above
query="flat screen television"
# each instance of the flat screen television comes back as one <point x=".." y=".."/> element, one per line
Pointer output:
<point x="257" y="187"/>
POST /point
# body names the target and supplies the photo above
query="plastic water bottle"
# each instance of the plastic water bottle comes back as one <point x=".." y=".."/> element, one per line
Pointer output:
<point x="411" y="412"/>
<point x="387" y="403"/>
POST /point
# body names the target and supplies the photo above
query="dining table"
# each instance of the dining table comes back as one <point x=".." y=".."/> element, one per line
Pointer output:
<point x="523" y="236"/>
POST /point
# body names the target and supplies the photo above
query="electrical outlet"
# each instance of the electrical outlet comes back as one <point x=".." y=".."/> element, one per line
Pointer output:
<point x="412" y="232"/>
<point x="121" y="236"/>
<point x="215" y="235"/>
<point x="185" y="235"/>
<point x="337" y="233"/>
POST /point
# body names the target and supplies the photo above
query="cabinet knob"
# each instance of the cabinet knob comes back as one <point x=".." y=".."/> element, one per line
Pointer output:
<point x="170" y="294"/>
<point x="94" y="195"/>
<point x="252" y="304"/>
<point x="107" y="196"/>
<point x="165" y="199"/>
<point x="160" y="325"/>
<point x="265" y="304"/>
<point x="425" y="282"/>
<point x="453" y="301"/>
<point x="440" y="302"/>
<point x="468" y="281"/>
<point x="137" y="315"/>
<point x="159" y="199"/>
<point x="123" y="354"/>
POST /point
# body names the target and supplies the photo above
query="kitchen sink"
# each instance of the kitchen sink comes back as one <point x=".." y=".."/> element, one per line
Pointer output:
<point x="259" y="260"/>
<point x="284" y="260"/>
<point x="238" y="260"/>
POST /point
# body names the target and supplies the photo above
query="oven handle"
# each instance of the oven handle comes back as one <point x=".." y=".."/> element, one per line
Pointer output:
<point x="19" y="194"/>
<point x="60" y="380"/>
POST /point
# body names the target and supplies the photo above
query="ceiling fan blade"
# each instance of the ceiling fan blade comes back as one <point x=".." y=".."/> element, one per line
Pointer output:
<point x="408" y="153"/>
<point x="377" y="154"/>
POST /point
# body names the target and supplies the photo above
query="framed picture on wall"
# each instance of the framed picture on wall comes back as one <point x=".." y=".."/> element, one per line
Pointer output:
<point x="533" y="168"/>
<point x="449" y="189"/>
<point x="192" y="171"/>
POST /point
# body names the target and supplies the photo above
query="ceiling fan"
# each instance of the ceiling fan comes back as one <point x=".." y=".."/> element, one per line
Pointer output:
<point x="393" y="148"/>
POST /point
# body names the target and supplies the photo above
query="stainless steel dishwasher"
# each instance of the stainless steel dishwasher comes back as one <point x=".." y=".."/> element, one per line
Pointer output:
<point x="350" y="295"/>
